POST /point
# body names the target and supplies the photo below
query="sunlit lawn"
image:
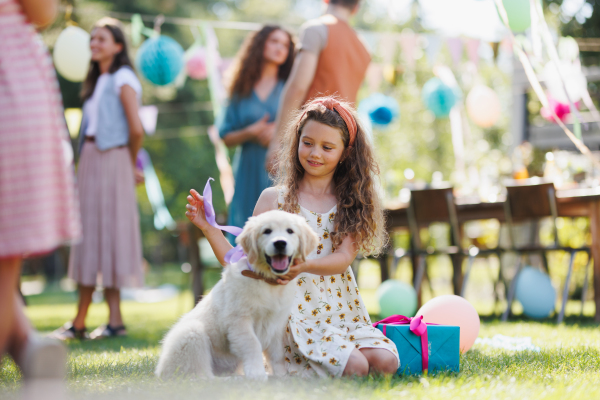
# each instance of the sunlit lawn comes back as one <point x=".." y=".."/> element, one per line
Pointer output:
<point x="568" y="365"/>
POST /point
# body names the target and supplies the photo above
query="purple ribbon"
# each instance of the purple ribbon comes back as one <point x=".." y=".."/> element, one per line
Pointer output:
<point x="417" y="326"/>
<point x="235" y="254"/>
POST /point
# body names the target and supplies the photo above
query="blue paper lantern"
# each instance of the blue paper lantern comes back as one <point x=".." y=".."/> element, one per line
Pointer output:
<point x="438" y="97"/>
<point x="396" y="297"/>
<point x="535" y="292"/>
<point x="381" y="109"/>
<point x="160" y="60"/>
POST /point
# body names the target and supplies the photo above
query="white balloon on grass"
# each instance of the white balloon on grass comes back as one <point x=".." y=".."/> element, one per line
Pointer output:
<point x="483" y="106"/>
<point x="72" y="54"/>
<point x="574" y="81"/>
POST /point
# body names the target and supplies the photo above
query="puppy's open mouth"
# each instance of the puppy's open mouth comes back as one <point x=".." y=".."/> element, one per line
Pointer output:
<point x="279" y="263"/>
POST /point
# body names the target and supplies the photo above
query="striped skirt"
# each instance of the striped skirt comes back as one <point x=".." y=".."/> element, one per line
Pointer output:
<point x="38" y="204"/>
<point x="110" y="254"/>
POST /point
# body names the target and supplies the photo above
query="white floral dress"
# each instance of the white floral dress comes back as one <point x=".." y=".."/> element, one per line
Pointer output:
<point x="328" y="318"/>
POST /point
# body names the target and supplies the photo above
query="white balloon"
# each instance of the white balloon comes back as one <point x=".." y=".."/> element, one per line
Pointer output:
<point x="483" y="106"/>
<point x="575" y="82"/>
<point x="72" y="53"/>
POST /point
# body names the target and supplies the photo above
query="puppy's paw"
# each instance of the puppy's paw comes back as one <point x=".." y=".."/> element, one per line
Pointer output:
<point x="257" y="375"/>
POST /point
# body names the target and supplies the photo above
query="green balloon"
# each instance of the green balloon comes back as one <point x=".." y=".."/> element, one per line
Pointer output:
<point x="519" y="16"/>
<point x="396" y="297"/>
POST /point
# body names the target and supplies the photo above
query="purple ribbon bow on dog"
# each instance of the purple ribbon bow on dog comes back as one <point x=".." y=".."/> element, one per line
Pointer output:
<point x="235" y="254"/>
<point x="417" y="326"/>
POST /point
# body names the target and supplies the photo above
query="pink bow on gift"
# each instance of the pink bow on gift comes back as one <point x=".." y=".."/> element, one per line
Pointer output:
<point x="417" y="326"/>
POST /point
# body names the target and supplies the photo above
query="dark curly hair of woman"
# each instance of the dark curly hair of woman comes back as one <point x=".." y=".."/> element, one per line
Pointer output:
<point x="248" y="64"/>
<point x="359" y="210"/>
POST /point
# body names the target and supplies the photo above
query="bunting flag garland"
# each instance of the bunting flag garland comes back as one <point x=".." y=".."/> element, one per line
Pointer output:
<point x="162" y="217"/>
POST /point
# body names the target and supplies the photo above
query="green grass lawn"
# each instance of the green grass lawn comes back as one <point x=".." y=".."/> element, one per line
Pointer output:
<point x="568" y="365"/>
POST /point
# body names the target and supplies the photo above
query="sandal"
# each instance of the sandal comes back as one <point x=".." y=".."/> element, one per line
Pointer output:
<point x="107" y="331"/>
<point x="68" y="332"/>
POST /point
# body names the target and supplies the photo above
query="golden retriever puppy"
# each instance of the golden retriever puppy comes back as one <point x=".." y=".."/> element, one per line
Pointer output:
<point x="242" y="317"/>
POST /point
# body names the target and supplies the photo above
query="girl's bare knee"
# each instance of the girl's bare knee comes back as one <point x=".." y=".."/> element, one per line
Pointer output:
<point x="384" y="362"/>
<point x="357" y="365"/>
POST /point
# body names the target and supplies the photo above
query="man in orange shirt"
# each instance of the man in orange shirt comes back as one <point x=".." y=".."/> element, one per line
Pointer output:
<point x="332" y="60"/>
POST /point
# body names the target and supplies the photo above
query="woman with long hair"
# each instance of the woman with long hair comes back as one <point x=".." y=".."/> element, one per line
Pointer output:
<point x="110" y="254"/>
<point x="257" y="77"/>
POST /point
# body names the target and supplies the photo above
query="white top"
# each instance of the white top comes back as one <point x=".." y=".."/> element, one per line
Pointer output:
<point x="124" y="76"/>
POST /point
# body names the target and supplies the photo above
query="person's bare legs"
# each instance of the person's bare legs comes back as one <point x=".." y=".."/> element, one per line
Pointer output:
<point x="85" y="299"/>
<point x="10" y="270"/>
<point x="357" y="364"/>
<point x="21" y="330"/>
<point x="113" y="300"/>
<point x="381" y="361"/>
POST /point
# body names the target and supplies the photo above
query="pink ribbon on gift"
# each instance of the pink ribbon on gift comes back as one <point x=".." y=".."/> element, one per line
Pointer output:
<point x="235" y="254"/>
<point x="417" y="326"/>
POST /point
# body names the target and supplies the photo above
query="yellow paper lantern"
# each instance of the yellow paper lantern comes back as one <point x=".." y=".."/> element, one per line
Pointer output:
<point x="483" y="106"/>
<point x="72" y="54"/>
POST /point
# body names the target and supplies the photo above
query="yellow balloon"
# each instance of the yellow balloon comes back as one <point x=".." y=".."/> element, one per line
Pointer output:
<point x="72" y="54"/>
<point x="483" y="106"/>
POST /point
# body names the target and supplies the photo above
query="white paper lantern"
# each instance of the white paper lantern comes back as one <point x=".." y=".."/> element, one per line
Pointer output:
<point x="574" y="80"/>
<point x="483" y="106"/>
<point x="72" y="54"/>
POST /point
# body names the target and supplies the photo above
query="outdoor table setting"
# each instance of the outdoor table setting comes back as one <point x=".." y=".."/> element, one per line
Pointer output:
<point x="572" y="201"/>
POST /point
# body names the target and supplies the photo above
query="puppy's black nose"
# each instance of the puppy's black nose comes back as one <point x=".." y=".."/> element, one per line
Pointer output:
<point x="280" y="245"/>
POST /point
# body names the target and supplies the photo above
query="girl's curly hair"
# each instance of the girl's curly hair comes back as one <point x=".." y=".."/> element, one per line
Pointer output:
<point x="248" y="65"/>
<point x="359" y="210"/>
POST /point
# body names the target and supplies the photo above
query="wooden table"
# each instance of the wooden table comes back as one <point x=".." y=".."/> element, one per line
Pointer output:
<point x="570" y="203"/>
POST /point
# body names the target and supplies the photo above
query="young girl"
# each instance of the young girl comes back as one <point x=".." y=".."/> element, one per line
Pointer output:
<point x="110" y="254"/>
<point x="325" y="173"/>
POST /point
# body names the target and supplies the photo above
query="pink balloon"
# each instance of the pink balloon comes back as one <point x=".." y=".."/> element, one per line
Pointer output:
<point x="196" y="65"/>
<point x="456" y="311"/>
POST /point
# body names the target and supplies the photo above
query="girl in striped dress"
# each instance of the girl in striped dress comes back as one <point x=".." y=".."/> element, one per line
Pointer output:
<point x="38" y="206"/>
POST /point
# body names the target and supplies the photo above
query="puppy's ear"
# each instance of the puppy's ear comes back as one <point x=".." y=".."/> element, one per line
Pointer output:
<point x="308" y="238"/>
<point x="248" y="239"/>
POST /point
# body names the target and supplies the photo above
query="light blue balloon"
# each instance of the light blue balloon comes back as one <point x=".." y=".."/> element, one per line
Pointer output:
<point x="438" y="97"/>
<point x="396" y="297"/>
<point x="535" y="292"/>
<point x="160" y="60"/>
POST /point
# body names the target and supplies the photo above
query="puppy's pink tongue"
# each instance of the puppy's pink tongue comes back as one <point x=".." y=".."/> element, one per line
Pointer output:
<point x="279" y="263"/>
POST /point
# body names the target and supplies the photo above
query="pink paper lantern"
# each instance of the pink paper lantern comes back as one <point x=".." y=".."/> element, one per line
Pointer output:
<point x="196" y="65"/>
<point x="560" y="109"/>
<point x="456" y="311"/>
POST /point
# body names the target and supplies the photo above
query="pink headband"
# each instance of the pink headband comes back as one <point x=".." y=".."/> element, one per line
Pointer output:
<point x="333" y="104"/>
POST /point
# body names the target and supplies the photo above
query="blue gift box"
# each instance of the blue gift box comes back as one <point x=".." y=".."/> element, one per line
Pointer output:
<point x="443" y="343"/>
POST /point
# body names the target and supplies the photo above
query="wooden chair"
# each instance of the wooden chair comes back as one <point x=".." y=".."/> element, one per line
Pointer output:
<point x="532" y="202"/>
<point x="436" y="205"/>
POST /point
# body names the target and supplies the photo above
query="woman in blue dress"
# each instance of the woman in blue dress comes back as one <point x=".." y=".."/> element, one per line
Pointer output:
<point x="257" y="78"/>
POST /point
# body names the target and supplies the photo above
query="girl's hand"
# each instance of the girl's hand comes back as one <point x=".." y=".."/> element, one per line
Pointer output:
<point x="295" y="270"/>
<point x="138" y="175"/>
<point x="195" y="210"/>
<point x="258" y="127"/>
<point x="265" y="137"/>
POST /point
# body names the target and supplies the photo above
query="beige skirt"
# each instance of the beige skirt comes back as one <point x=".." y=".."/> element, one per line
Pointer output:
<point x="110" y="254"/>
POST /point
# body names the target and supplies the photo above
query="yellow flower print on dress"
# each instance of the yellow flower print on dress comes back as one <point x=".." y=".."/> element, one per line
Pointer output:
<point x="357" y="346"/>
<point x="279" y="206"/>
<point x="334" y="362"/>
<point x="309" y="330"/>
<point x="307" y="296"/>
<point x="301" y="280"/>
<point x="319" y="248"/>
<point x="376" y="343"/>
<point x="288" y="349"/>
<point x="331" y="217"/>
<point x="332" y="279"/>
<point x="348" y="289"/>
<point x="328" y="339"/>
<point x="356" y="303"/>
<point x="386" y="340"/>
<point x="300" y="309"/>
<point x="288" y="360"/>
<point x="349" y="277"/>
<point x="310" y="341"/>
<point x="339" y="292"/>
<point x="326" y="234"/>
<point x="315" y="312"/>
<point x="324" y="354"/>
<point x="356" y="319"/>
<point x="310" y="353"/>
<point x="342" y="317"/>
<point x="328" y="320"/>
<point x="351" y="338"/>
<point x="327" y="307"/>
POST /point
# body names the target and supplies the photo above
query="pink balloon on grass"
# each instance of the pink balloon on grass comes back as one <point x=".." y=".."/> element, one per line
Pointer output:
<point x="456" y="311"/>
